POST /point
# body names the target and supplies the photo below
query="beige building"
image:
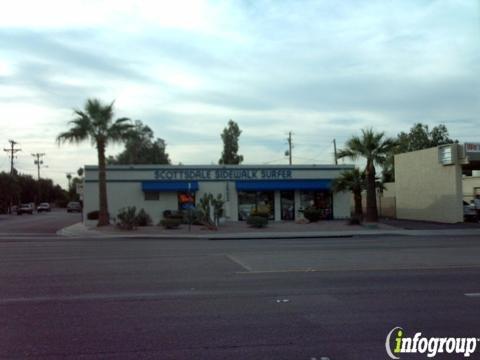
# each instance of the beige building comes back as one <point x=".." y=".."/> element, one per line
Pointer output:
<point x="431" y="184"/>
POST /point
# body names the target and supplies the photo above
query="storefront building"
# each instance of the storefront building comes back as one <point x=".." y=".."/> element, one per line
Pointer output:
<point x="283" y="191"/>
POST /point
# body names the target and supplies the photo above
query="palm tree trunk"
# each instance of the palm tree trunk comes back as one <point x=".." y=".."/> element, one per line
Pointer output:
<point x="372" y="215"/>
<point x="102" y="186"/>
<point x="357" y="199"/>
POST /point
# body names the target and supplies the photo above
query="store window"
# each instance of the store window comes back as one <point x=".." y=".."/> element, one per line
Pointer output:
<point x="151" y="195"/>
<point x="287" y="204"/>
<point x="249" y="201"/>
<point x="321" y="200"/>
<point x="186" y="201"/>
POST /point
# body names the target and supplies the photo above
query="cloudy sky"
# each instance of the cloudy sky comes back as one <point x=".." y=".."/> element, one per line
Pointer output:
<point x="322" y="69"/>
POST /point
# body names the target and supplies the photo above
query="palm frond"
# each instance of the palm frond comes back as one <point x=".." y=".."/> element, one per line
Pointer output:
<point x="80" y="130"/>
<point x="120" y="130"/>
<point x="347" y="153"/>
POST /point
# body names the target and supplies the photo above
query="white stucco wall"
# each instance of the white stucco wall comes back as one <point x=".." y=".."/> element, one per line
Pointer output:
<point x="341" y="205"/>
<point x="123" y="194"/>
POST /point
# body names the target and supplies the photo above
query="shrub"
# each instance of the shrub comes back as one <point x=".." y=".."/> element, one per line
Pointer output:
<point x="173" y="214"/>
<point x="261" y="211"/>
<point x="143" y="219"/>
<point x="93" y="215"/>
<point x="355" y="220"/>
<point x="127" y="218"/>
<point x="257" y="221"/>
<point x="170" y="223"/>
<point x="312" y="214"/>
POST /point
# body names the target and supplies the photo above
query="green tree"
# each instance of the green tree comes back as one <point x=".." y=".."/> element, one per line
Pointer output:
<point x="354" y="181"/>
<point x="10" y="193"/>
<point x="375" y="149"/>
<point x="95" y="123"/>
<point x="418" y="138"/>
<point x="230" y="137"/>
<point x="141" y="147"/>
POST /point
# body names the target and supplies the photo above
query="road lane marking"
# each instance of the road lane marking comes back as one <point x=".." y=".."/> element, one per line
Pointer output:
<point x="306" y="270"/>
<point x="238" y="262"/>
<point x="472" y="294"/>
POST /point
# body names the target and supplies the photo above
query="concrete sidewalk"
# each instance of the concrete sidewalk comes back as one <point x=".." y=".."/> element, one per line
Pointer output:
<point x="273" y="231"/>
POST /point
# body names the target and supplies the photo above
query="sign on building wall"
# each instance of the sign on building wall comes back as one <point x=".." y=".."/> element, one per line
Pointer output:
<point x="472" y="148"/>
<point x="222" y="174"/>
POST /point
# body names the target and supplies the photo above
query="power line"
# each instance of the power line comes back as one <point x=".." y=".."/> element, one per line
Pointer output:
<point x="272" y="161"/>
<point x="12" y="152"/>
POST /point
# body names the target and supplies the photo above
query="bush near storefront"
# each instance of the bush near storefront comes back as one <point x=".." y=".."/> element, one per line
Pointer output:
<point x="170" y="223"/>
<point x="261" y="212"/>
<point x="312" y="214"/>
<point x="257" y="221"/>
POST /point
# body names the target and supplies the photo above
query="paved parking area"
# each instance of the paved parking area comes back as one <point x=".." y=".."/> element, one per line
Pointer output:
<point x="43" y="223"/>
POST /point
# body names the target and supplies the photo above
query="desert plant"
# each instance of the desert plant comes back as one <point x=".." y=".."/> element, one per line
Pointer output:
<point x="208" y="201"/>
<point x="257" y="221"/>
<point x="143" y="219"/>
<point x="127" y="218"/>
<point x="217" y="203"/>
<point x="170" y="223"/>
<point x="312" y="214"/>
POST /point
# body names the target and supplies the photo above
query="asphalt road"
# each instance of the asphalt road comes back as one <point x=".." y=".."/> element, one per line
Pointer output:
<point x="43" y="223"/>
<point x="159" y="299"/>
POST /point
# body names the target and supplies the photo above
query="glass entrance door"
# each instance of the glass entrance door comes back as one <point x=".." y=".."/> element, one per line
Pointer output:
<point x="287" y="205"/>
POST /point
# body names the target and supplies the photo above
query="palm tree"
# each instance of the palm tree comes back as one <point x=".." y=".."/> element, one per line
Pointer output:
<point x="354" y="181"/>
<point x="96" y="124"/>
<point x="375" y="148"/>
<point x="69" y="178"/>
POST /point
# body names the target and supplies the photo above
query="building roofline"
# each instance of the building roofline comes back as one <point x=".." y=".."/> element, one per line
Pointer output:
<point x="213" y="167"/>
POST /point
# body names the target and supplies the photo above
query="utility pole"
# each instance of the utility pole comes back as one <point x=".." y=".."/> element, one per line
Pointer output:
<point x="12" y="152"/>
<point x="290" y="146"/>
<point x="38" y="162"/>
<point x="335" y="151"/>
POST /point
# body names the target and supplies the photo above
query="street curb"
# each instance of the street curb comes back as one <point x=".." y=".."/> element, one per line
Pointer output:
<point x="79" y="230"/>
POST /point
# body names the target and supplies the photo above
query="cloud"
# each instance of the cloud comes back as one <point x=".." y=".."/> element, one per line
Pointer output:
<point x="323" y="70"/>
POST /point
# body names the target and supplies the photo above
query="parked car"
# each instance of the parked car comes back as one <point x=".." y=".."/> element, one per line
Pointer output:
<point x="43" y="207"/>
<point x="25" y="209"/>
<point x="74" y="206"/>
<point x="469" y="212"/>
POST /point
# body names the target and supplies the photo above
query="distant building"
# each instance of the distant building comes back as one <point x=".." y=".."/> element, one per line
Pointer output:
<point x="284" y="191"/>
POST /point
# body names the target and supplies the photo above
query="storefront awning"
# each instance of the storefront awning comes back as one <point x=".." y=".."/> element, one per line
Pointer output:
<point x="265" y="185"/>
<point x="169" y="186"/>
